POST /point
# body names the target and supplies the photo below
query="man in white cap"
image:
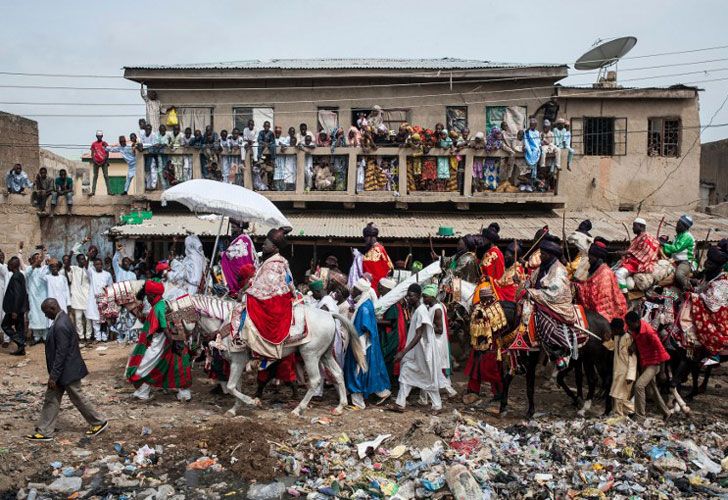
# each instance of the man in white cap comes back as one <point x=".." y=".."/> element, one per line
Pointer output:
<point x="100" y="159"/>
<point x="641" y="255"/>
<point x="548" y="146"/>
<point x="681" y="251"/>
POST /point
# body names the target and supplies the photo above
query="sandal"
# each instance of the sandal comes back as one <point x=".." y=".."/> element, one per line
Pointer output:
<point x="37" y="436"/>
<point x="95" y="430"/>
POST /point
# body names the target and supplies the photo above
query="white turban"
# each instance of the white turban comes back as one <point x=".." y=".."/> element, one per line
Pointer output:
<point x="387" y="283"/>
<point x="640" y="220"/>
<point x="363" y="285"/>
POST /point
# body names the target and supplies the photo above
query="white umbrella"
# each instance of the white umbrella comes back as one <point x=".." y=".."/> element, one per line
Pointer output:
<point x="227" y="200"/>
<point x="236" y="202"/>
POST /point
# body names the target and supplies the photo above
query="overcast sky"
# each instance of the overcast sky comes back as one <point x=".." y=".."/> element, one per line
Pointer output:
<point x="101" y="37"/>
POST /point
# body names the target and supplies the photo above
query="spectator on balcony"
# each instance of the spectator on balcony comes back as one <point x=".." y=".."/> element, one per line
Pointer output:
<point x="463" y="141"/>
<point x="548" y="146"/>
<point x="367" y="140"/>
<point x="266" y="141"/>
<point x="182" y="163"/>
<point x="42" y="188"/>
<point x="249" y="138"/>
<point x="354" y="137"/>
<point x="169" y="175"/>
<point x="478" y="141"/>
<point x="303" y="131"/>
<point x="128" y="151"/>
<point x="214" y="172"/>
<point x="237" y="147"/>
<point x="162" y="142"/>
<point x="338" y="139"/>
<point x="550" y="110"/>
<point x="381" y="135"/>
<point x="403" y="134"/>
<point x="209" y="150"/>
<point x="16" y="181"/>
<point x="361" y="120"/>
<point x="532" y="149"/>
<point x="142" y="126"/>
<point x="308" y="146"/>
<point x="323" y="139"/>
<point x="226" y="159"/>
<point x="562" y="136"/>
<point x="100" y="160"/>
<point x="63" y="189"/>
<point x="154" y="108"/>
<point x="150" y="159"/>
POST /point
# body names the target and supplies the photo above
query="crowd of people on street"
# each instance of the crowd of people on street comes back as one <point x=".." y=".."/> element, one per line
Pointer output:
<point x="408" y="344"/>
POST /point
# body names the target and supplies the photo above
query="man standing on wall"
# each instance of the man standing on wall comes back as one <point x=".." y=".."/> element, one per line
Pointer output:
<point x="100" y="160"/>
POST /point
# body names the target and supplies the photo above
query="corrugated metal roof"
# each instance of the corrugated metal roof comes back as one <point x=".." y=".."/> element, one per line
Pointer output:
<point x="421" y="225"/>
<point x="170" y="225"/>
<point x="445" y="63"/>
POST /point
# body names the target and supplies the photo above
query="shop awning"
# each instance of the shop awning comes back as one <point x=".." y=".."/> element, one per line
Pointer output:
<point x="421" y="225"/>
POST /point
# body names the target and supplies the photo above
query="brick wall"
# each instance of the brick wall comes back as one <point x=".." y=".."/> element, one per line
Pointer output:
<point x="18" y="144"/>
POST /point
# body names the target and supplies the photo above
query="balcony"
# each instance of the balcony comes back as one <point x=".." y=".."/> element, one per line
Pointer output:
<point x="349" y="175"/>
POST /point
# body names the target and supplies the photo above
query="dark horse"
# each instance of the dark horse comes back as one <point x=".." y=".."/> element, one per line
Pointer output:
<point x="593" y="358"/>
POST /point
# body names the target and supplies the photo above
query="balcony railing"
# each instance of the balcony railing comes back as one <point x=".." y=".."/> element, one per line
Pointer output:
<point x="350" y="175"/>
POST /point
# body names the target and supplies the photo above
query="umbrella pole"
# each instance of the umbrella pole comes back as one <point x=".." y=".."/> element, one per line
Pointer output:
<point x="214" y="254"/>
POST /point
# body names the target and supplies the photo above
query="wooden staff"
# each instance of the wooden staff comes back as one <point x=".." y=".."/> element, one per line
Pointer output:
<point x="659" y="226"/>
<point x="563" y="236"/>
<point x="629" y="235"/>
<point x="705" y="242"/>
<point x="535" y="245"/>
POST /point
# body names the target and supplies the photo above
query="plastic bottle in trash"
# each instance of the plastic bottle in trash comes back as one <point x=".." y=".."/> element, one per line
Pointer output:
<point x="462" y="484"/>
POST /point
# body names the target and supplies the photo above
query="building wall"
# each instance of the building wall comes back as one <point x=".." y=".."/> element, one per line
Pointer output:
<point x="18" y="144"/>
<point x="713" y="169"/>
<point x="426" y="107"/>
<point x="19" y="223"/>
<point x="610" y="181"/>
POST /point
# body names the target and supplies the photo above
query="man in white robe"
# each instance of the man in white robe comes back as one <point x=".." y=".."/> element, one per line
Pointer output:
<point x="35" y="273"/>
<point x="78" y="280"/>
<point x="419" y="363"/>
<point x="4" y="279"/>
<point x="57" y="285"/>
<point x="188" y="272"/>
<point x="438" y="315"/>
<point x="98" y="279"/>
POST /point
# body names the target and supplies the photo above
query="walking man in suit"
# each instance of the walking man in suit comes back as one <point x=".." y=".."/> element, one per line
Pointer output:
<point x="65" y="371"/>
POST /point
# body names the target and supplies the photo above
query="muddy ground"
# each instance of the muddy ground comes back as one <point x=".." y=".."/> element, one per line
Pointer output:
<point x="187" y="431"/>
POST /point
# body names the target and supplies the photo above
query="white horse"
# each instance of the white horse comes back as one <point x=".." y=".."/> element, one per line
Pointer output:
<point x="214" y="317"/>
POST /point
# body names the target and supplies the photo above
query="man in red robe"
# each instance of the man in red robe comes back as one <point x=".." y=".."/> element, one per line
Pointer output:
<point x="270" y="296"/>
<point x="599" y="291"/>
<point x="641" y="255"/>
<point x="507" y="285"/>
<point x="492" y="263"/>
<point x="376" y="262"/>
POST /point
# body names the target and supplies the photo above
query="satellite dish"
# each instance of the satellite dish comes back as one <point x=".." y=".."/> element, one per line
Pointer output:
<point x="606" y="54"/>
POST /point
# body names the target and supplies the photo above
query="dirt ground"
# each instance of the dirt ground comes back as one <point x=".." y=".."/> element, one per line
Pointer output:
<point x="186" y="431"/>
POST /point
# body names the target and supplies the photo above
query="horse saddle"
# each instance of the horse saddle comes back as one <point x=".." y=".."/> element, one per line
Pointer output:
<point x="249" y="335"/>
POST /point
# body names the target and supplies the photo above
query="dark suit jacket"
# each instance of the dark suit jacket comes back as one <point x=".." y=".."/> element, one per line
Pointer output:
<point x="16" y="295"/>
<point x="63" y="355"/>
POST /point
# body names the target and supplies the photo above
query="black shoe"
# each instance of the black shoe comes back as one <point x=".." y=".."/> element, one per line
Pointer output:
<point x="19" y="352"/>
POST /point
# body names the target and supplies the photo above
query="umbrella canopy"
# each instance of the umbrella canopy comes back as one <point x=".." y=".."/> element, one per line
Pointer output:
<point x="236" y="202"/>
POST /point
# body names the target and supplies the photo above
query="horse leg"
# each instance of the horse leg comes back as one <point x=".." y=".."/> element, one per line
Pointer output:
<point x="579" y="378"/>
<point x="313" y="374"/>
<point x="560" y="381"/>
<point x="591" y="380"/>
<point x="704" y="386"/>
<point x="531" y="382"/>
<point x="333" y="367"/>
<point x="238" y="360"/>
<point x="507" y="379"/>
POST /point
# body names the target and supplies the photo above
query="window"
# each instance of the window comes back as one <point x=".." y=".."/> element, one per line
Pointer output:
<point x="456" y="118"/>
<point x="599" y="136"/>
<point x="194" y="118"/>
<point x="514" y="116"/>
<point x="258" y="115"/>
<point x="663" y="137"/>
<point x="391" y="118"/>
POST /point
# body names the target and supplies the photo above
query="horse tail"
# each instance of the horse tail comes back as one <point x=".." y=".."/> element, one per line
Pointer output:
<point x="354" y="343"/>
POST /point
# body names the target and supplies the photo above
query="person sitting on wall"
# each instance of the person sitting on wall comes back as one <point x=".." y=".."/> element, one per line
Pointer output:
<point x="42" y="189"/>
<point x="63" y="188"/>
<point x="16" y="181"/>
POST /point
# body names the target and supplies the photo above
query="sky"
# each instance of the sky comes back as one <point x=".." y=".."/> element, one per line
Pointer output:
<point x="100" y="38"/>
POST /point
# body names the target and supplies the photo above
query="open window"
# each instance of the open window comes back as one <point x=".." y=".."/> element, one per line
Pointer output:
<point x="241" y="115"/>
<point x="456" y="118"/>
<point x="663" y="137"/>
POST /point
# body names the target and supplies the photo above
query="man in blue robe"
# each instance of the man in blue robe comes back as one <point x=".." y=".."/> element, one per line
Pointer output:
<point x="361" y="384"/>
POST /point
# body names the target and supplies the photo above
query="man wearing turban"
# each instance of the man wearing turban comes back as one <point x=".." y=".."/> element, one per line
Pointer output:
<point x="376" y="261"/>
<point x="492" y="263"/>
<point x="549" y="284"/>
<point x="464" y="264"/>
<point x="641" y="255"/>
<point x="361" y="384"/>
<point x="438" y="316"/>
<point x="157" y="360"/>
<point x="238" y="255"/>
<point x="600" y="291"/>
<point x="270" y="296"/>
